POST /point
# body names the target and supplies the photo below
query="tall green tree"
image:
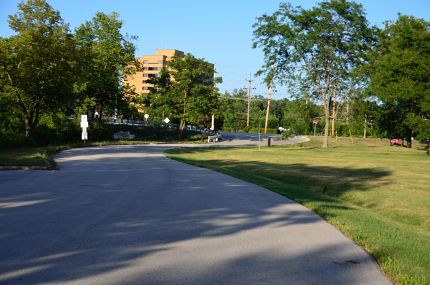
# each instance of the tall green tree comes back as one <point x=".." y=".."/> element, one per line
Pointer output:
<point x="314" y="50"/>
<point x="400" y="77"/>
<point x="106" y="57"/>
<point x="186" y="90"/>
<point x="234" y="109"/>
<point x="38" y="64"/>
<point x="299" y="115"/>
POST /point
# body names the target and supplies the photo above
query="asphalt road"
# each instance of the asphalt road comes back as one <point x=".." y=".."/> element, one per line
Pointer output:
<point x="128" y="215"/>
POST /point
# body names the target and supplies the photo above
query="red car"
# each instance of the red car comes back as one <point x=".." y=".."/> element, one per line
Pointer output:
<point x="396" y="142"/>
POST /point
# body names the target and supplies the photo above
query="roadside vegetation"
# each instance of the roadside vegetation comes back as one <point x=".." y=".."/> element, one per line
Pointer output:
<point x="28" y="154"/>
<point x="375" y="194"/>
<point x="344" y="76"/>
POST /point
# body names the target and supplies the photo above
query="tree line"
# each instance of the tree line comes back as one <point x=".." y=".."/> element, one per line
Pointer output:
<point x="331" y="54"/>
<point x="345" y="77"/>
<point x="49" y="74"/>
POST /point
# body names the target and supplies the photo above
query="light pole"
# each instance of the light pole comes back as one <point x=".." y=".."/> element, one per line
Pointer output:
<point x="146" y="118"/>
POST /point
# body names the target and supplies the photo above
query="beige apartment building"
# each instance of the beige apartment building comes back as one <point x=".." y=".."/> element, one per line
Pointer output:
<point x="152" y="65"/>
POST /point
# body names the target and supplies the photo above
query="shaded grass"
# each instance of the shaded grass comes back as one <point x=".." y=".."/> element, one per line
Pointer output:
<point x="379" y="196"/>
<point x="27" y="156"/>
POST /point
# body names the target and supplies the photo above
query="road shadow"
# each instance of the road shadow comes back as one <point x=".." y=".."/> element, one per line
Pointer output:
<point x="327" y="180"/>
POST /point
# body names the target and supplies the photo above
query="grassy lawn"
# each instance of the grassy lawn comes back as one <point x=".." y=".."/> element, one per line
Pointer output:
<point x="26" y="156"/>
<point x="377" y="195"/>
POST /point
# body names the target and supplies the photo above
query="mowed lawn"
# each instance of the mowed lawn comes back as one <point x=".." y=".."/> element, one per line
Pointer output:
<point x="377" y="195"/>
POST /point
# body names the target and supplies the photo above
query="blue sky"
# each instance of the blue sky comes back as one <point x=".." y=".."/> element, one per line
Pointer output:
<point x="219" y="31"/>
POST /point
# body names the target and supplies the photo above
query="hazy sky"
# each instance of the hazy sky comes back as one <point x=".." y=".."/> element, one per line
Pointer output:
<point x="219" y="31"/>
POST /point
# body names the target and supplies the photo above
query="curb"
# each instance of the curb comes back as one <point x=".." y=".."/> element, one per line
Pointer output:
<point x="25" y="168"/>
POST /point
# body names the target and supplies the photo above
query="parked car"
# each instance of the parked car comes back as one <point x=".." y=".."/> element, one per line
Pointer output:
<point x="121" y="135"/>
<point x="396" y="142"/>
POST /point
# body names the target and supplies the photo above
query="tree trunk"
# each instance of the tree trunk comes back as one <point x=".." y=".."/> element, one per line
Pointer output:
<point x="327" y="125"/>
<point x="409" y="140"/>
<point x="325" y="96"/>
<point x="333" y="112"/>
<point x="29" y="126"/>
<point x="365" y="128"/>
<point x="181" y="128"/>
<point x="182" y="122"/>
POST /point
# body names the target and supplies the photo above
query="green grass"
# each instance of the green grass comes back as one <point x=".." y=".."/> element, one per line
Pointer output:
<point x="377" y="195"/>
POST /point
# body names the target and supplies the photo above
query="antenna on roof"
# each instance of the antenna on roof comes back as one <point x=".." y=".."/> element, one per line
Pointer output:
<point x="162" y="42"/>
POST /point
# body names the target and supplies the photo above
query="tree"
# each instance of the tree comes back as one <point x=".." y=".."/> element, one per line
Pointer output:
<point x="106" y="56"/>
<point x="234" y="110"/>
<point x="186" y="90"/>
<point x="299" y="115"/>
<point x="314" y="50"/>
<point x="400" y="77"/>
<point x="38" y="63"/>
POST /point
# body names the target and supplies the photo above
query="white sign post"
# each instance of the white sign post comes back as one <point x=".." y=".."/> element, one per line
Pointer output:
<point x="146" y="117"/>
<point x="84" y="126"/>
<point x="166" y="120"/>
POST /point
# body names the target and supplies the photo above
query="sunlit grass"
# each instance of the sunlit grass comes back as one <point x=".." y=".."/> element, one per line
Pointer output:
<point x="376" y="194"/>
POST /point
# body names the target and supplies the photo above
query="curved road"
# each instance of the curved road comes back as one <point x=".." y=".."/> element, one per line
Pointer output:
<point x="128" y="215"/>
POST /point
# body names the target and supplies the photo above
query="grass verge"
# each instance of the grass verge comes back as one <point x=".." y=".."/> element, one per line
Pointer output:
<point x="378" y="196"/>
<point x="27" y="158"/>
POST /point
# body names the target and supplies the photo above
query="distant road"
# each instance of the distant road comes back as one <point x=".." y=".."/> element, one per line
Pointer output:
<point x="240" y="138"/>
<point x="128" y="215"/>
<point x="245" y="136"/>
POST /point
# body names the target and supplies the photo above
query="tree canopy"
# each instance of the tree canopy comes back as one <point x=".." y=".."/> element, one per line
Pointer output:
<point x="39" y="62"/>
<point x="314" y="51"/>
<point x="107" y="55"/>
<point x="186" y="90"/>
<point x="400" y="76"/>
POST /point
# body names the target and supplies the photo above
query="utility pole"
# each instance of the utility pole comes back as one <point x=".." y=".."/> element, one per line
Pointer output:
<point x="269" y="97"/>
<point x="249" y="99"/>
